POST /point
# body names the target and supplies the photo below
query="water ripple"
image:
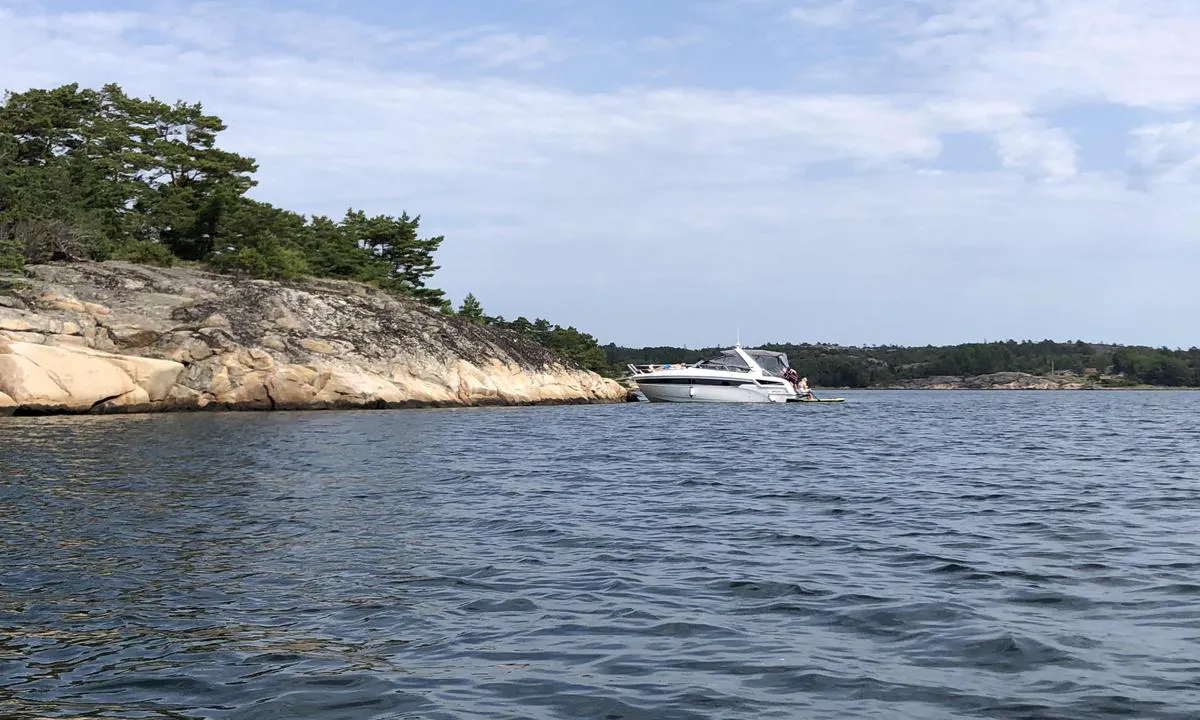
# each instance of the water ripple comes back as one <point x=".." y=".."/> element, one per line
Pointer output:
<point x="904" y="555"/>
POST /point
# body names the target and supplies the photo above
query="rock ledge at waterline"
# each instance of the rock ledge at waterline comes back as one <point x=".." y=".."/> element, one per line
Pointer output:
<point x="118" y="337"/>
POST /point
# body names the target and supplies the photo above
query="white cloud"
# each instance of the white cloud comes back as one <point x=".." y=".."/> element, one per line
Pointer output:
<point x="1044" y="152"/>
<point x="702" y="203"/>
<point x="504" y="48"/>
<point x="1050" y="53"/>
<point x="1167" y="152"/>
<point x="824" y="14"/>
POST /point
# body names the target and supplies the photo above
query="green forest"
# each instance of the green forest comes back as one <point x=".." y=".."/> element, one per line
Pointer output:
<point x="860" y="367"/>
<point x="95" y="174"/>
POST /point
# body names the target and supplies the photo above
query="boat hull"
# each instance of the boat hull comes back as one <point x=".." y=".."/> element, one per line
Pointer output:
<point x="697" y="393"/>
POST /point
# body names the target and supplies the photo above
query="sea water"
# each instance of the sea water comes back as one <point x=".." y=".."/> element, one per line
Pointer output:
<point x="905" y="554"/>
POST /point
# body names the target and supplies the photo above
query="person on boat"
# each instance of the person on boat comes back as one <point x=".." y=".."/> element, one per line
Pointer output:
<point x="791" y="376"/>
<point x="799" y="384"/>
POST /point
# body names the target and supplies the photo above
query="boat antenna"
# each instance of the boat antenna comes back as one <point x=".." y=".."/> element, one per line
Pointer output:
<point x="739" y="337"/>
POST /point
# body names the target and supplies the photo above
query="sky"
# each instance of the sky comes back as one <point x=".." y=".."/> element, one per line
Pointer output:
<point x="692" y="172"/>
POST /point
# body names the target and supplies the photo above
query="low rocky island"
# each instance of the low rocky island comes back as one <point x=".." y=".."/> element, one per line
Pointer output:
<point x="995" y="381"/>
<point x="118" y="337"/>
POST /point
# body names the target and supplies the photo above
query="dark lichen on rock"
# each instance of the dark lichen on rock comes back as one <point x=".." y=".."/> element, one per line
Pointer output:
<point x="238" y="343"/>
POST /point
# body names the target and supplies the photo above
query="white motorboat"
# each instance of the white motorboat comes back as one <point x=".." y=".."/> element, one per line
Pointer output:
<point x="735" y="375"/>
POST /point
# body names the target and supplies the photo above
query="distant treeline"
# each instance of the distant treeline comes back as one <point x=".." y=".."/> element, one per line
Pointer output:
<point x="859" y="367"/>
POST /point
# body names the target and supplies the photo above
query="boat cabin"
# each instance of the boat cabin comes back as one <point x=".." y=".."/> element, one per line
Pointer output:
<point x="732" y="360"/>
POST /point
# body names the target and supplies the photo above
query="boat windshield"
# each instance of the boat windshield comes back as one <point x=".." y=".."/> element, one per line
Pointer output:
<point x="771" y="364"/>
<point x="725" y="361"/>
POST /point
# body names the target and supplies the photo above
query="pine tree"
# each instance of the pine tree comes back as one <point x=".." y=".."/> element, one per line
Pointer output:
<point x="471" y="308"/>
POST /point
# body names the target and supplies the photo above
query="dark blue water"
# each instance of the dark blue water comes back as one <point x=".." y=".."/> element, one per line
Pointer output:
<point x="904" y="555"/>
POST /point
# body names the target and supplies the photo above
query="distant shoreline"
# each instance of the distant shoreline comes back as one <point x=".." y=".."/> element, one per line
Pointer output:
<point x="1092" y="388"/>
<point x="1001" y="381"/>
<point x="1022" y="381"/>
<point x="1044" y="364"/>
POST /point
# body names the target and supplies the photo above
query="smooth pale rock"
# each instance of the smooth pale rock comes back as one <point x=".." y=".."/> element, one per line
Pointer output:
<point x="345" y="386"/>
<point x="70" y="328"/>
<point x="38" y="375"/>
<point x="82" y="376"/>
<point x="7" y="405"/>
<point x="25" y="381"/>
<point x="96" y="309"/>
<point x="473" y="383"/>
<point x="155" y="376"/>
<point x="420" y="389"/>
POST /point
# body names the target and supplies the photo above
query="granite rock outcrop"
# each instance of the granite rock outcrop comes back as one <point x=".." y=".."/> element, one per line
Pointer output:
<point x="119" y="337"/>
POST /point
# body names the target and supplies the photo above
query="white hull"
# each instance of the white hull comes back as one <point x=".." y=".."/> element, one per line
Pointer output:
<point x="734" y="376"/>
<point x="710" y="393"/>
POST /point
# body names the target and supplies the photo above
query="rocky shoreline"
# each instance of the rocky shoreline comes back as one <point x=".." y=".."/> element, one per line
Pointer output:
<point x="1022" y="381"/>
<point x="993" y="381"/>
<point x="116" y="337"/>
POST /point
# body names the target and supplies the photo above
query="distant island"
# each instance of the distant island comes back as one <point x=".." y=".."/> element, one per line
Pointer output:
<point x="1011" y="364"/>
